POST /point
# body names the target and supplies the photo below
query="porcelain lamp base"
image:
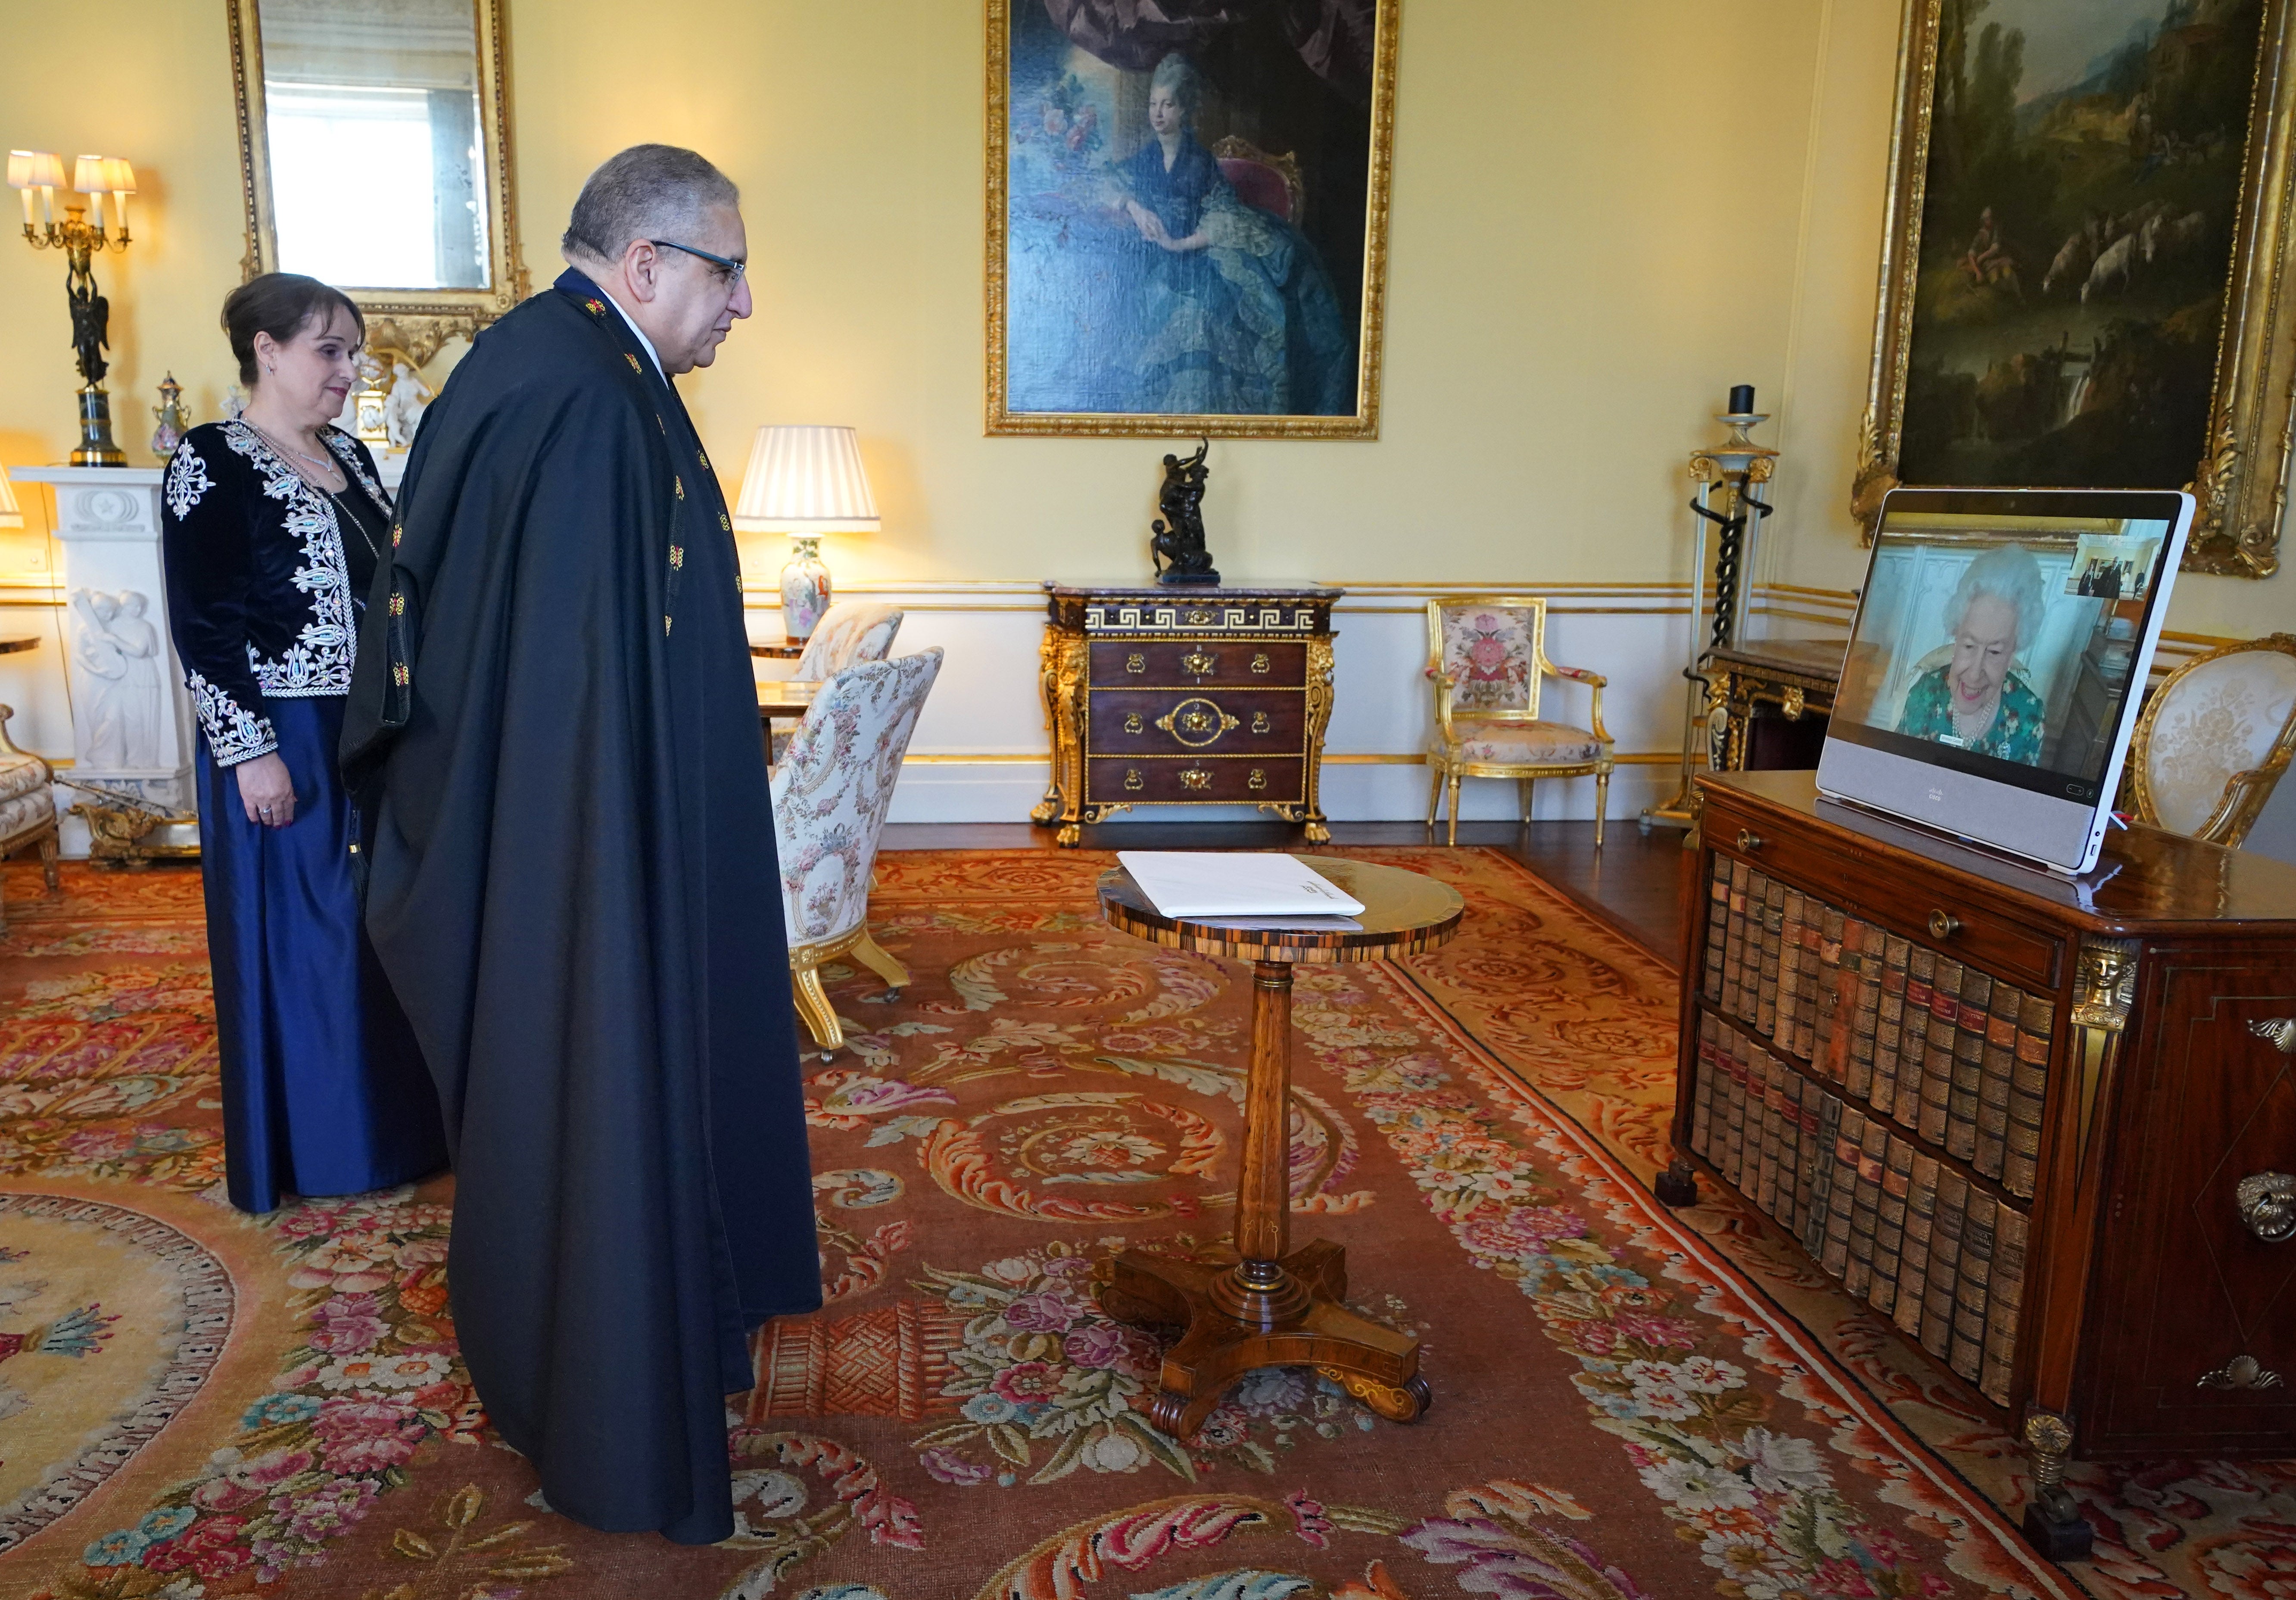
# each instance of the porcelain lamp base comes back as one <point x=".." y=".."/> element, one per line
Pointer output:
<point x="805" y="589"/>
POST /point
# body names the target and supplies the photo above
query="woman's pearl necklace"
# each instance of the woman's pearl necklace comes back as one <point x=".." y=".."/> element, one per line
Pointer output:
<point x="1973" y="725"/>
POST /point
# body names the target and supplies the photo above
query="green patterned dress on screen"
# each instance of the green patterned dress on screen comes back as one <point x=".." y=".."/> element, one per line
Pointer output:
<point x="2016" y="734"/>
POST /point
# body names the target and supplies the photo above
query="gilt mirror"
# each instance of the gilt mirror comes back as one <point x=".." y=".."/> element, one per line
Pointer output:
<point x="376" y="157"/>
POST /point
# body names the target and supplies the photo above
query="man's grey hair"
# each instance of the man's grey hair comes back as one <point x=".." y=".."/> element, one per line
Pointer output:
<point x="647" y="192"/>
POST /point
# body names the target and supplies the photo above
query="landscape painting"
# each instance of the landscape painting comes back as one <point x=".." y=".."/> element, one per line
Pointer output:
<point x="2082" y="197"/>
<point x="1186" y="216"/>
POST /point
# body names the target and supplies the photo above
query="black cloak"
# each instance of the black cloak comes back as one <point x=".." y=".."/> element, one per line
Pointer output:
<point x="552" y="731"/>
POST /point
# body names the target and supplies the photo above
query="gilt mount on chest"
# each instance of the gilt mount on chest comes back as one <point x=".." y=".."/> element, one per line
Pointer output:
<point x="1216" y="696"/>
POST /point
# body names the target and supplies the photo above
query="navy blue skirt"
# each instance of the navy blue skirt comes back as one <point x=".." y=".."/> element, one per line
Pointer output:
<point x="324" y="1091"/>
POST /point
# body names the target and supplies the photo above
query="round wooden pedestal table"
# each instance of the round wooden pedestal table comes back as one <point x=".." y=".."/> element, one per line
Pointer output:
<point x="1274" y="1306"/>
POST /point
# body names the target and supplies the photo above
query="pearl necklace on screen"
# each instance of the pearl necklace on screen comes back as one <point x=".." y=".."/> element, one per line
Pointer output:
<point x="1973" y="727"/>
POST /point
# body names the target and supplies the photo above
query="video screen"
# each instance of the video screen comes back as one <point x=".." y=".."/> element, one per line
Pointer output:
<point x="1999" y="645"/>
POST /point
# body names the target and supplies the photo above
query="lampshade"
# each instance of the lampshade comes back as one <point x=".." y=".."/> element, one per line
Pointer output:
<point x="34" y="169"/>
<point x="806" y="480"/>
<point x="87" y="175"/>
<point x="10" y="515"/>
<point x="118" y="177"/>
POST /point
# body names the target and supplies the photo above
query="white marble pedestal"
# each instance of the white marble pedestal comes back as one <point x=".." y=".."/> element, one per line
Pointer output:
<point x="132" y="722"/>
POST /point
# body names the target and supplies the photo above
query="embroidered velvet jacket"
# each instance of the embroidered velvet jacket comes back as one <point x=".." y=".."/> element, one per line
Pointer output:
<point x="258" y="590"/>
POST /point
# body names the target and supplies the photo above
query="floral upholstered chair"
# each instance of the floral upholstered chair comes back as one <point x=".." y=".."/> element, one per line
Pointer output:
<point x="28" y="806"/>
<point x="848" y="634"/>
<point x="2215" y="738"/>
<point x="830" y="797"/>
<point x="1486" y="657"/>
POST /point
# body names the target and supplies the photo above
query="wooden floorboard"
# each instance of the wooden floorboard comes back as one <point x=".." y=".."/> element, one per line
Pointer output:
<point x="1632" y="884"/>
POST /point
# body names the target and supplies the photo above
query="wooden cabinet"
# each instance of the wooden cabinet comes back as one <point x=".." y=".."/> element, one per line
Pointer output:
<point x="1776" y="696"/>
<point x="2010" y="1112"/>
<point x="1185" y="697"/>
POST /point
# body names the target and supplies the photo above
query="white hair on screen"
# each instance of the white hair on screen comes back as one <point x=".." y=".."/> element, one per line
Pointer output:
<point x="2007" y="573"/>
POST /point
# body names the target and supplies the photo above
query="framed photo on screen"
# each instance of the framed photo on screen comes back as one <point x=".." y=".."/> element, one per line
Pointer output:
<point x="1187" y="216"/>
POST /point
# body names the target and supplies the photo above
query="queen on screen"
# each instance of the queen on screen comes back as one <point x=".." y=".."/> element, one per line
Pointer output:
<point x="1975" y="700"/>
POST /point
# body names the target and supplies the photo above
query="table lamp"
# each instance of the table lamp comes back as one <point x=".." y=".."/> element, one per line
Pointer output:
<point x="805" y="482"/>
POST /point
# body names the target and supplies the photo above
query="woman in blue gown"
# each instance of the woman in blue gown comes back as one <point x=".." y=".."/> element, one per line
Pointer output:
<point x="1237" y="313"/>
<point x="273" y="525"/>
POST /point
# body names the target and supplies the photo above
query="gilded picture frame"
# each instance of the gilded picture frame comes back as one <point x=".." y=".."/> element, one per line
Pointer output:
<point x="2240" y="467"/>
<point x="1082" y="310"/>
<point x="415" y="322"/>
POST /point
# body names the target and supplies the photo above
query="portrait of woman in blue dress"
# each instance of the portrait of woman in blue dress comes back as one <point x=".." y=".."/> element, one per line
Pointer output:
<point x="1236" y="313"/>
<point x="1157" y="261"/>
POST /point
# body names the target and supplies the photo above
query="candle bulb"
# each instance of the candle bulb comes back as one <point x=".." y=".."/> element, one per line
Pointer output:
<point x="1742" y="399"/>
<point x="27" y="193"/>
<point x="95" y="212"/>
<point x="120" y="209"/>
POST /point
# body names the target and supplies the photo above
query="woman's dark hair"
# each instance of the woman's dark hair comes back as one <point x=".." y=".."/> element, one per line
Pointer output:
<point x="282" y="304"/>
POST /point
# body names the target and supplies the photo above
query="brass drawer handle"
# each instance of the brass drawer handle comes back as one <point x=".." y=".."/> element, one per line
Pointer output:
<point x="1133" y="782"/>
<point x="1132" y="723"/>
<point x="1196" y="723"/>
<point x="1749" y="842"/>
<point x="1135" y="663"/>
<point x="1260" y="663"/>
<point x="1259" y="779"/>
<point x="1259" y="723"/>
<point x="2267" y="1205"/>
<point x="1944" y="924"/>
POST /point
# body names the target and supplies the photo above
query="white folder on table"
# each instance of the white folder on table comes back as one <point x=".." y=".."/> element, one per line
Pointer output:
<point x="1223" y="884"/>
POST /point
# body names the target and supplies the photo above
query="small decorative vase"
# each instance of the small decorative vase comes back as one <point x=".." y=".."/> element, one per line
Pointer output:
<point x="805" y="589"/>
<point x="173" y="423"/>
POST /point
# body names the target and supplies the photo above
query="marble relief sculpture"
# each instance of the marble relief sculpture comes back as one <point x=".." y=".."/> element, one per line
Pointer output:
<point x="116" y="652"/>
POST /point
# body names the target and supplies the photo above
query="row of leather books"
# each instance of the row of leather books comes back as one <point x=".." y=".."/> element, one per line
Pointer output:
<point x="1903" y="1231"/>
<point x="1950" y="1055"/>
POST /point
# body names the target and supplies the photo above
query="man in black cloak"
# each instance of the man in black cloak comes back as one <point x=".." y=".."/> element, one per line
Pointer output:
<point x="553" y="733"/>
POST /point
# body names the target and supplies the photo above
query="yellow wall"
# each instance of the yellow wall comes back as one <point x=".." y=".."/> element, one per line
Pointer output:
<point x="1603" y="216"/>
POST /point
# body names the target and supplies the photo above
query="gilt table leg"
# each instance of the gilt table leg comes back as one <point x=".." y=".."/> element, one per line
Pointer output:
<point x="1274" y="1306"/>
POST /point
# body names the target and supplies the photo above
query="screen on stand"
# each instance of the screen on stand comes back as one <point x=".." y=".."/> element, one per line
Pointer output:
<point x="2001" y="647"/>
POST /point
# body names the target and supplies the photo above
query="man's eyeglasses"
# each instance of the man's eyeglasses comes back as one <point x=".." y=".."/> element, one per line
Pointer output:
<point x="731" y="271"/>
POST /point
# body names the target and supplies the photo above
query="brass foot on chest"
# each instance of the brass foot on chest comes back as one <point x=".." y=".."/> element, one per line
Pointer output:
<point x="2054" y="1524"/>
<point x="1677" y="1186"/>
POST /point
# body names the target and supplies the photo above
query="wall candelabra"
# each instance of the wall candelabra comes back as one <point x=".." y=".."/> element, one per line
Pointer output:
<point x="37" y="174"/>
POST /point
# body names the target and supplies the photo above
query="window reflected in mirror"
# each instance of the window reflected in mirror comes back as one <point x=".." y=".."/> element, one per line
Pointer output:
<point x="378" y="174"/>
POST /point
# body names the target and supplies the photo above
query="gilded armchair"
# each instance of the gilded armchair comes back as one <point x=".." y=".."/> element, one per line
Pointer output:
<point x="829" y="795"/>
<point x="2215" y="738"/>
<point x="1486" y="659"/>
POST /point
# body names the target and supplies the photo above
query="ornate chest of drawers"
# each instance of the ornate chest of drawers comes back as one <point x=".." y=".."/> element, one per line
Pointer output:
<point x="1185" y="697"/>
<point x="2045" y="1125"/>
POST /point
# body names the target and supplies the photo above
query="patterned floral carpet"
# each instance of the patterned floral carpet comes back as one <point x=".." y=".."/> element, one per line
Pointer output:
<point x="1628" y="1402"/>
